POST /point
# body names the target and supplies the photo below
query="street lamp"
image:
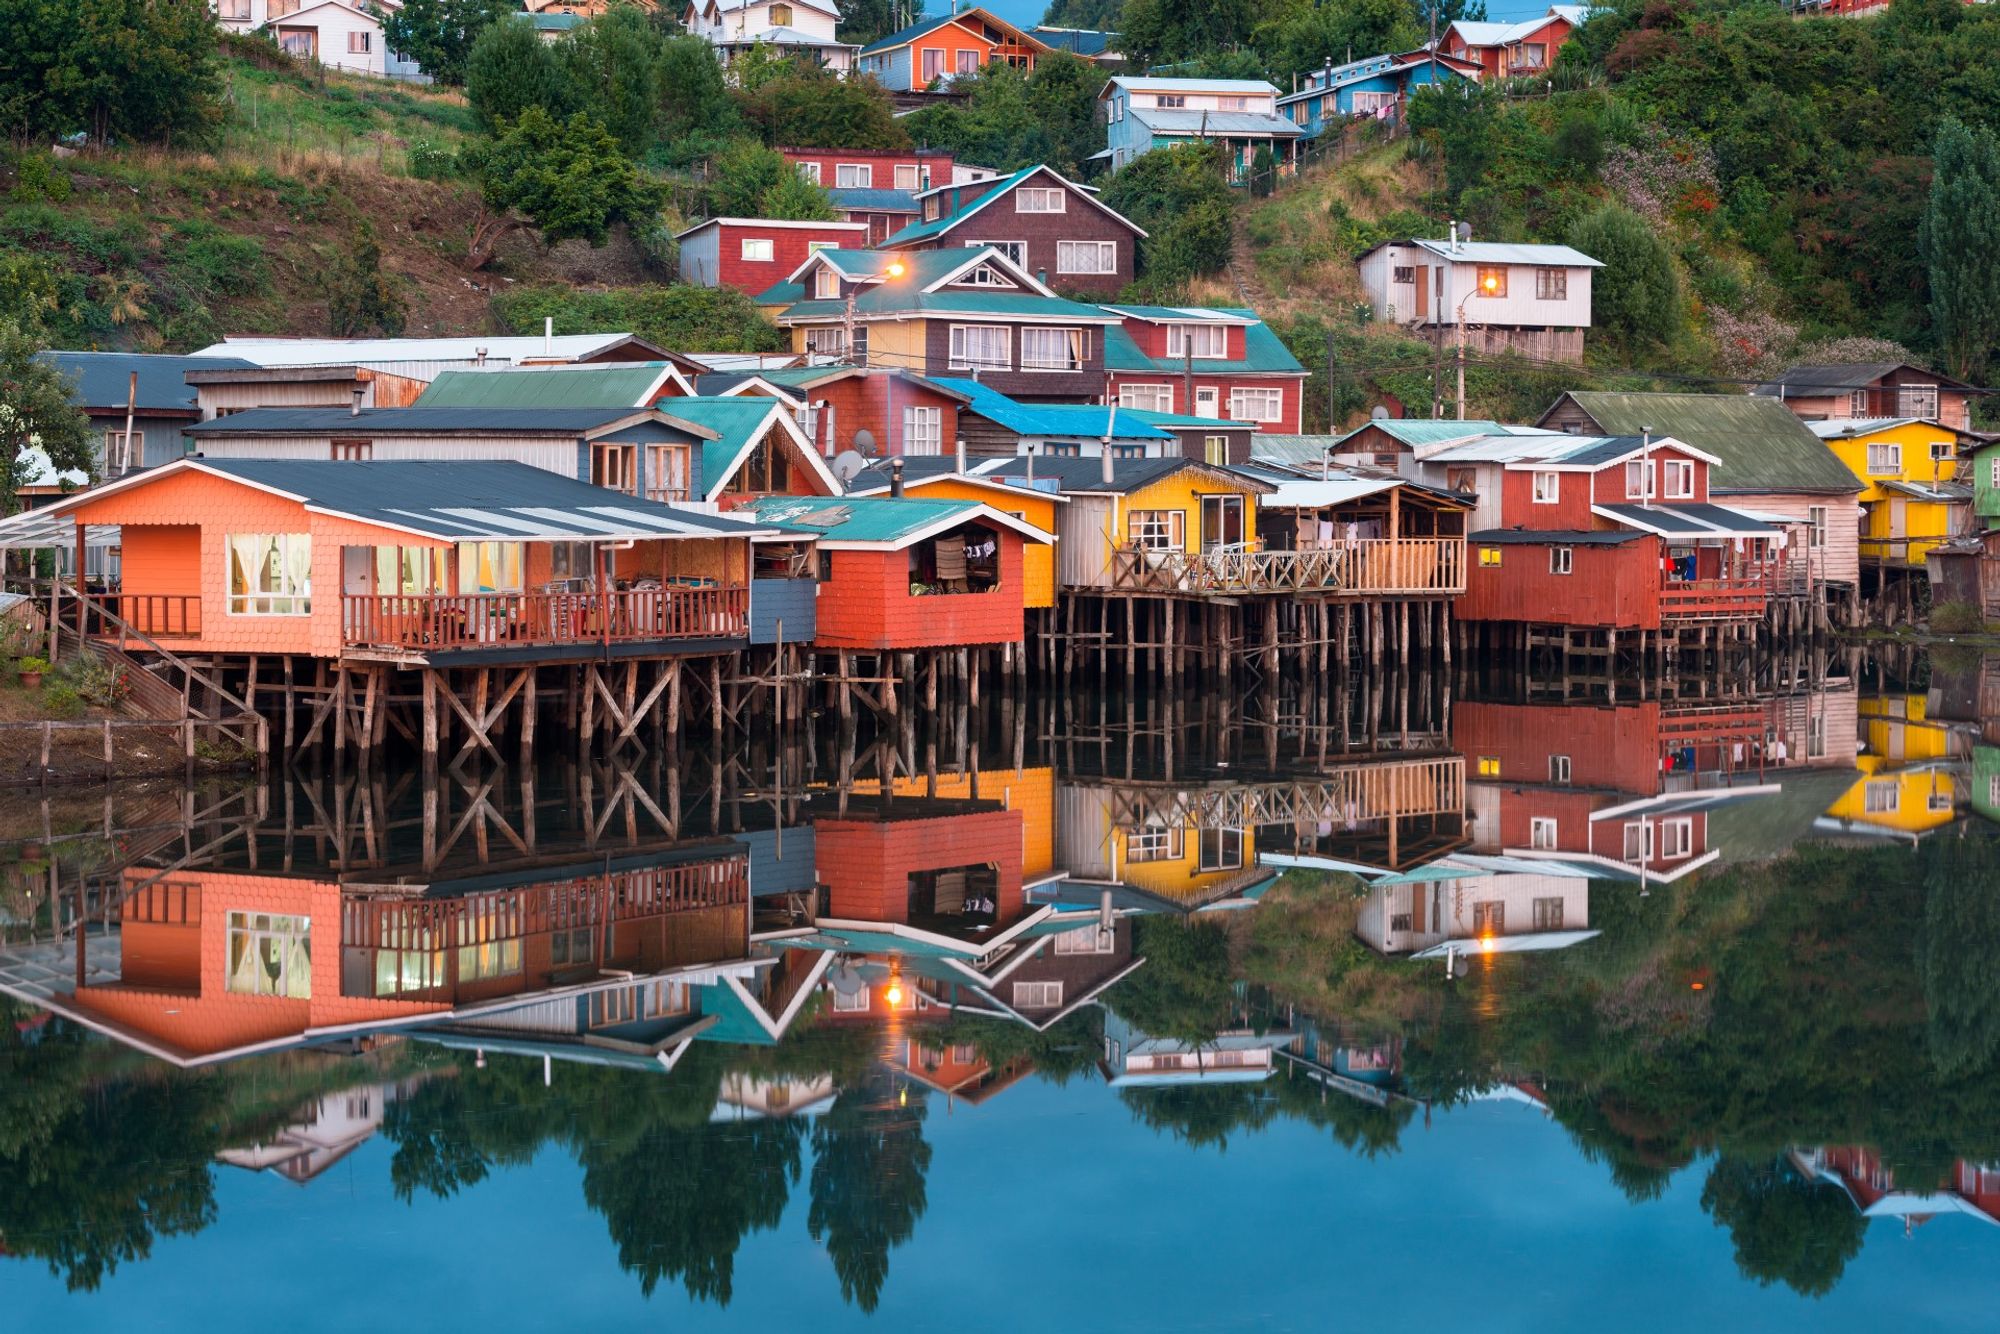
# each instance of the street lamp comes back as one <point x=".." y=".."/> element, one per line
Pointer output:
<point x="1489" y="285"/>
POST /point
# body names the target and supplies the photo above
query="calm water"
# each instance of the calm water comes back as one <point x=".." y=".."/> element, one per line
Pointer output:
<point x="1418" y="1002"/>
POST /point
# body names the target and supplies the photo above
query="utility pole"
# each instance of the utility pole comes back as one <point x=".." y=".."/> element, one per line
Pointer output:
<point x="1187" y="370"/>
<point x="1330" y="390"/>
<point x="1461" y="369"/>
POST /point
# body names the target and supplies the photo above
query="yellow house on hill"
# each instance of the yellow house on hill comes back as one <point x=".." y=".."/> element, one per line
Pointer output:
<point x="1912" y="494"/>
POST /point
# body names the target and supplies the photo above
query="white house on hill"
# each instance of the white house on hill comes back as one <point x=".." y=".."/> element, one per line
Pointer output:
<point x="1534" y="299"/>
<point x="803" y="28"/>
<point x="339" y="34"/>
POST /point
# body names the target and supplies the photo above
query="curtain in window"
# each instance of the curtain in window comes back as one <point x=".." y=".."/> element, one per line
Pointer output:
<point x="1052" y="349"/>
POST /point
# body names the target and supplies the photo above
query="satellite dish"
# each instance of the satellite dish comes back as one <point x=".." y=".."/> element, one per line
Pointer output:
<point x="864" y="441"/>
<point x="847" y="980"/>
<point x="1464" y="230"/>
<point x="848" y="465"/>
<point x="1378" y="413"/>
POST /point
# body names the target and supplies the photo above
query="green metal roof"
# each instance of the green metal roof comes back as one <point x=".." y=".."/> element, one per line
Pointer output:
<point x="903" y="299"/>
<point x="1264" y="352"/>
<point x="919" y="231"/>
<point x="1761" y="444"/>
<point x="783" y="293"/>
<point x="881" y="519"/>
<point x="735" y="422"/>
<point x="629" y="386"/>
<point x="1281" y="447"/>
<point x="1183" y="419"/>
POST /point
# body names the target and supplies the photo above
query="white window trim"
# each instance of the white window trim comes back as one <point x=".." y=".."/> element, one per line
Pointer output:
<point x="1562" y="560"/>
<point x="1272" y="398"/>
<point x="1081" y="342"/>
<point x="1676" y="838"/>
<point x="1890" y="453"/>
<point x="1672" y="474"/>
<point x="863" y="171"/>
<point x="1160" y="398"/>
<point x="923" y="430"/>
<point x="1106" y="252"/>
<point x="302" y="597"/>
<point x="1041" y="194"/>
<point x="955" y="348"/>
<point x="1542" y="833"/>
<point x="1548" y="488"/>
<point x="809" y="170"/>
<point x="766" y="242"/>
<point x="1181" y="343"/>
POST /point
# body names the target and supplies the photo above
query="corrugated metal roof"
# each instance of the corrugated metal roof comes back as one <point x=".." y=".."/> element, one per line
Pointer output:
<point x="1069" y="420"/>
<point x="1760" y="445"/>
<point x="858" y="200"/>
<point x="1277" y="447"/>
<point x="1849" y="428"/>
<point x="1143" y="84"/>
<point x="103" y="379"/>
<point x="1504" y="252"/>
<point x="870" y="519"/>
<point x="1414" y="431"/>
<point x="259" y="351"/>
<point x="1562" y="537"/>
<point x="1311" y="495"/>
<point x="1511" y="447"/>
<point x="1688" y="520"/>
<point x="1265" y="123"/>
<point x="412" y="421"/>
<point x="626" y="386"/>
<point x="1171" y="419"/>
<point x="1077" y="41"/>
<point x="1264" y="353"/>
<point x="462" y="499"/>
<point x="1814" y="380"/>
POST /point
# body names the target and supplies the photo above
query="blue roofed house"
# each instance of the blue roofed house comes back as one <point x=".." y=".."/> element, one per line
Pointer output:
<point x="152" y="391"/>
<point x="933" y="51"/>
<point x="1376" y="86"/>
<point x="1092" y="44"/>
<point x="1048" y="225"/>
<point x="1141" y="114"/>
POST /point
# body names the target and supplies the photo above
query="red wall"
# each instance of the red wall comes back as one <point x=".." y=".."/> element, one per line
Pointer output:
<point x="884" y="162"/>
<point x="866" y="864"/>
<point x="1291" y="388"/>
<point x="1552" y="35"/>
<point x="789" y="248"/>
<point x="865" y="402"/>
<point x="1607" y="586"/>
<point x="1152" y="339"/>
<point x="1610" y="483"/>
<point x="1616" y="748"/>
<point x="867" y="604"/>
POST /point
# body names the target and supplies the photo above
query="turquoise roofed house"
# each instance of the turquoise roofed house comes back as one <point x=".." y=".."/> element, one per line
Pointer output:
<point x="629" y="385"/>
<point x="1045" y="223"/>
<point x="759" y="449"/>
<point x="1217" y="362"/>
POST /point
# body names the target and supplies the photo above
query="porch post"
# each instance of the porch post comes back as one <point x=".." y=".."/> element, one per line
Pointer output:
<point x="603" y="595"/>
<point x="82" y="607"/>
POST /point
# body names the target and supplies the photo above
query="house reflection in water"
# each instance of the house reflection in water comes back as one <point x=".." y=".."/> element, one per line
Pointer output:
<point x="321" y="1133"/>
<point x="1969" y="1188"/>
<point x="1238" y="1054"/>
<point x="1472" y="904"/>
<point x="1914" y="771"/>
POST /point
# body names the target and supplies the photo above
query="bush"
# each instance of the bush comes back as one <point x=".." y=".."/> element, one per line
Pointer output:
<point x="708" y="319"/>
<point x="37" y="177"/>
<point x="429" y="160"/>
<point x="1636" y="296"/>
<point x="32" y="664"/>
<point x="214" y="261"/>
<point x="61" y="702"/>
<point x="1957" y="618"/>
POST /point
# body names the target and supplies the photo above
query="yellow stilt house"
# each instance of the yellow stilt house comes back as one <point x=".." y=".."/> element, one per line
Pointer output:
<point x="1912" y="496"/>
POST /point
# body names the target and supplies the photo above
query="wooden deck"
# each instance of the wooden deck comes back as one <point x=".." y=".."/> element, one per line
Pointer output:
<point x="486" y="620"/>
<point x="1382" y="567"/>
<point x="1714" y="599"/>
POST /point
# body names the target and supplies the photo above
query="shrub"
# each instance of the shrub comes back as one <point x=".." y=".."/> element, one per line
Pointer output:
<point x="1957" y="618"/>
<point x="1636" y="296"/>
<point x="32" y="664"/>
<point x="36" y="176"/>
<point x="429" y="160"/>
<point x="61" y="702"/>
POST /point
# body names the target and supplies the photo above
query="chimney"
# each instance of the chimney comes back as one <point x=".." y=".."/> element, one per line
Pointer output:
<point x="1107" y="461"/>
<point x="548" y="335"/>
<point x="1451" y="234"/>
<point x="958" y="449"/>
<point x="354" y="407"/>
<point x="1031" y="467"/>
<point x="896" y="478"/>
<point x="479" y="356"/>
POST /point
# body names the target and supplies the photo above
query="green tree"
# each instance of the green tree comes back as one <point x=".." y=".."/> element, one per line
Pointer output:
<point x="797" y="199"/>
<point x="862" y="21"/>
<point x="511" y="69"/>
<point x="869" y="1165"/>
<point x="1463" y="119"/>
<point x="1156" y="32"/>
<point x="37" y="419"/>
<point x="117" y="69"/>
<point x="612" y="67"/>
<point x="360" y="298"/>
<point x="697" y="114"/>
<point x="752" y="181"/>
<point x="1185" y="991"/>
<point x="568" y="181"/>
<point x="439" y="34"/>
<point x="805" y="105"/>
<point x="1785" y="1229"/>
<point x="715" y="319"/>
<point x="1960" y="241"/>
<point x="1960" y="938"/>
<point x="1178" y="195"/>
<point x="1636" y="297"/>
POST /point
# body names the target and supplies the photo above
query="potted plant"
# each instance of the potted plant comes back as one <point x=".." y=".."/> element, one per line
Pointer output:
<point x="31" y="670"/>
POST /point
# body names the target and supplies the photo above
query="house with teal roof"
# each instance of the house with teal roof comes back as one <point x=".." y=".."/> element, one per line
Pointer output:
<point x="933" y="51"/>
<point x="622" y="385"/>
<point x="1213" y="362"/>
<point x="758" y="450"/>
<point x="1045" y="223"/>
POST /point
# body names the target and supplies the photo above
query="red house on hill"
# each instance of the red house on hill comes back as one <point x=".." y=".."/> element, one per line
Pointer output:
<point x="1203" y="362"/>
<point x="1509" y="50"/>
<point x="1602" y="533"/>
<point x="753" y="253"/>
<point x="877" y="187"/>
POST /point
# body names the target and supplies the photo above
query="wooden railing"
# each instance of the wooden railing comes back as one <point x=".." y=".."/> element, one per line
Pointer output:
<point x="478" y="620"/>
<point x="1898" y="550"/>
<point x="1413" y="566"/>
<point x="157" y="615"/>
<point x="1713" y="599"/>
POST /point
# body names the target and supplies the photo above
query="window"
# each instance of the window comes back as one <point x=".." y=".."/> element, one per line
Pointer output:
<point x="1639" y="841"/>
<point x="1816" y="737"/>
<point x="759" y="249"/>
<point x="1548" y="488"/>
<point x="1221" y="849"/>
<point x="1857" y="403"/>
<point x="857" y="1003"/>
<point x="809" y="170"/>
<point x="358" y="43"/>
<point x="985" y="346"/>
<point x="1884" y="456"/>
<point x="1156" y="530"/>
<point x="495" y="958"/>
<point x="1640" y="479"/>
<point x="1548" y="914"/>
<point x="814" y="247"/>
<point x="906" y="176"/>
<point x="1488" y="766"/>
<point x="1215" y="450"/>
<point x="1559" y="560"/>
<point x="1256" y="405"/>
<point x="1542" y="834"/>
<point x="1086" y="257"/>
<point x="1152" y="842"/>
<point x="1492" y="281"/>
<point x="826" y="283"/>
<point x="270" y="574"/>
<point x="1128" y="451"/>
<point x="1552" y="284"/>
<point x="1052" y="349"/>
<point x="1941" y="451"/>
<point x="489" y="567"/>
<point x="667" y="472"/>
<point x="1037" y="995"/>
<point x="968" y="61"/>
<point x="1040" y="199"/>
<point x="1489" y="918"/>
<point x="1087" y="940"/>
<point x="1403" y="274"/>
<point x="270" y="954"/>
<point x="853" y="175"/>
<point x="827" y="342"/>
<point x="353" y="450"/>
<point x="233" y="9"/>
<point x="1816" y="517"/>
<point x="1170" y="101"/>
<point x="411" y="571"/>
<point x="923" y="430"/>
<point x="1205" y="341"/>
<point x="1917" y="400"/>
<point x="300" y="42"/>
<point x="986" y="276"/>
<point x="1882" y="797"/>
<point x="1559" y="768"/>
<point x="573" y="946"/>
<point x="1678" y="477"/>
<point x="615" y="467"/>
<point x="124" y="452"/>
<point x="1489" y="556"/>
<point x="781" y="16"/>
<point x="1676" y="838"/>
<point x="1160" y="398"/>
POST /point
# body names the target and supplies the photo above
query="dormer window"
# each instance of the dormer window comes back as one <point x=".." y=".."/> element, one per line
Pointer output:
<point x="826" y="283"/>
<point x="1170" y="101"/>
<point x="1209" y="341"/>
<point x="985" y="275"/>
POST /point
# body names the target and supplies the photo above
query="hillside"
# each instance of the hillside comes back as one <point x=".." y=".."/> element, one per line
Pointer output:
<point x="161" y="250"/>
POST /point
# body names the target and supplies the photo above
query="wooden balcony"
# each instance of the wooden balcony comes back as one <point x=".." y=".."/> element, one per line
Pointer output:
<point x="488" y="620"/>
<point x="1740" y="599"/>
<point x="155" y="615"/>
<point x="1384" y="567"/>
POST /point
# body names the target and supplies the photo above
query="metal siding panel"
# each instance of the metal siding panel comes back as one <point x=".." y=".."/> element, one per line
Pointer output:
<point x="793" y="601"/>
<point x="781" y="861"/>
<point x="1084" y="545"/>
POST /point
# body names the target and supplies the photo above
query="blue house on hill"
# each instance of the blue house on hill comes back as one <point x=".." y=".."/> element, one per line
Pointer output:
<point x="1368" y="87"/>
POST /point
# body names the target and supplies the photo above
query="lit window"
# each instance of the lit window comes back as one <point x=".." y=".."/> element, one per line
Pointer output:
<point x="1215" y="450"/>
<point x="489" y="567"/>
<point x="1492" y="281"/>
<point x="1489" y="556"/>
<point x="270" y="574"/>
<point x="1640" y="478"/>
<point x="1489" y="766"/>
<point x="270" y="954"/>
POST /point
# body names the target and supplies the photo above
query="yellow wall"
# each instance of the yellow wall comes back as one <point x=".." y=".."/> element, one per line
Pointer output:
<point x="1896" y="728"/>
<point x="1178" y="877"/>
<point x="897" y="344"/>
<point x="1923" y="801"/>
<point x="1183" y="491"/>
<point x="1920" y="518"/>
<point x="1038" y="560"/>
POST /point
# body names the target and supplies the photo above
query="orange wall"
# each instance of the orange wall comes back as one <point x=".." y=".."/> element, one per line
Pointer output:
<point x="866" y="865"/>
<point x="867" y="604"/>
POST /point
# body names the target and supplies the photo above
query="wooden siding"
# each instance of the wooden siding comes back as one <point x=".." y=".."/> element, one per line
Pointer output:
<point x="1608" y="586"/>
<point x="713" y="257"/>
<point x="790" y="603"/>
<point x="866" y="864"/>
<point x="1040" y="235"/>
<point x="1086" y="385"/>
<point x="1184" y="390"/>
<point x="868" y="605"/>
<point x="1839" y="561"/>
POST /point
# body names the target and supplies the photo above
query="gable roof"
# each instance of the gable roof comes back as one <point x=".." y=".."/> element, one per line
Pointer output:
<point x="1555" y="451"/>
<point x="918" y="289"/>
<point x="620" y="384"/>
<point x="1171" y="120"/>
<point x="261" y="350"/>
<point x="459" y="500"/>
<point x="994" y="191"/>
<point x="795" y="379"/>
<point x="104" y="379"/>
<point x="1814" y="380"/>
<point x="961" y="17"/>
<point x="1087" y="42"/>
<point x="878" y="521"/>
<point x="1479" y="32"/>
<point x="1086" y="476"/>
<point x="1069" y="420"/>
<point x="433" y="421"/>
<point x="1143" y="84"/>
<point x="1495" y="252"/>
<point x="738" y="424"/>
<point x="1264" y="353"/>
<point x="917" y="270"/>
<point x="1853" y="428"/>
<point x="1757" y="443"/>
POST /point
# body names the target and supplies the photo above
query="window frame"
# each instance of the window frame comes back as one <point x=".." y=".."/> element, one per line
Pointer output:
<point x="826" y="284"/>
<point x="290" y="548"/>
<point x="1067" y="250"/>
<point x="1182" y="343"/>
<point x="246" y="930"/>
<point x="1551" y="283"/>
<point x="1547" y="487"/>
<point x="897" y="171"/>
<point x="1671" y="476"/>
<point x="1562" y="560"/>
<point x="1075" y="339"/>
<point x="1560" y="769"/>
<point x="864" y="173"/>
<point x="1273" y="398"/>
<point x="1885" y="458"/>
<point x="1041" y="194"/>
<point x="1156" y="530"/>
<point x="1543" y="833"/>
<point x="767" y="244"/>
<point x="958" y="358"/>
<point x="809" y="170"/>
<point x="923" y="430"/>
<point x="1489" y="558"/>
<point x="1157" y="392"/>
<point x="1499" y="293"/>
